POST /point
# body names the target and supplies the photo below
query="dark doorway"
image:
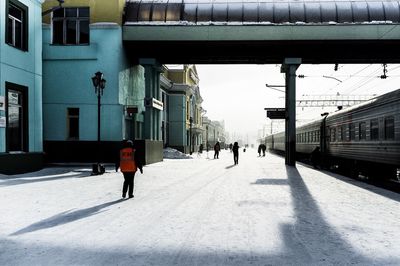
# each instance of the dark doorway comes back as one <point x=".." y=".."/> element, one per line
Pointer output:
<point x="17" y="118"/>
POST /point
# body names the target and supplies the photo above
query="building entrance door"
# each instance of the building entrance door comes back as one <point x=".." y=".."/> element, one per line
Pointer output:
<point x="16" y="121"/>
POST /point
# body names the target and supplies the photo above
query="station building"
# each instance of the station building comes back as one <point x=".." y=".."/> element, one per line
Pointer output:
<point x="80" y="39"/>
<point x="183" y="122"/>
<point x="21" y="142"/>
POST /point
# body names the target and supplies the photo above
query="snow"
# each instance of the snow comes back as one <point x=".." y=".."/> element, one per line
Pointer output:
<point x="198" y="212"/>
<point x="170" y="153"/>
<point x="250" y="23"/>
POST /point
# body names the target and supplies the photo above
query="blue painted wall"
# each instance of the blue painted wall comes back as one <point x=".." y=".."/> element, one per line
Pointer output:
<point x="24" y="68"/>
<point x="67" y="83"/>
<point x="177" y="120"/>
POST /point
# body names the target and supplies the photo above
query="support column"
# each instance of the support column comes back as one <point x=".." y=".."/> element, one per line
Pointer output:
<point x="152" y="116"/>
<point x="289" y="67"/>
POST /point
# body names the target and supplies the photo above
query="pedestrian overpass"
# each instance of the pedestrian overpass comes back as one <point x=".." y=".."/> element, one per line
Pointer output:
<point x="261" y="32"/>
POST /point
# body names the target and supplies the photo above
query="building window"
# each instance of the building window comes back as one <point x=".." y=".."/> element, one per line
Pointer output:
<point x="71" y="26"/>
<point x="374" y="129"/>
<point x="16" y="118"/>
<point x="361" y="131"/>
<point x="73" y="123"/>
<point x="17" y="25"/>
<point x="389" y="128"/>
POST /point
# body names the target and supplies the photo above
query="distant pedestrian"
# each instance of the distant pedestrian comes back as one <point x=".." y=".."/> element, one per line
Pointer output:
<point x="217" y="148"/>
<point x="235" y="150"/>
<point x="259" y="150"/>
<point x="201" y="148"/>
<point x="263" y="148"/>
<point x="230" y="147"/>
<point x="129" y="163"/>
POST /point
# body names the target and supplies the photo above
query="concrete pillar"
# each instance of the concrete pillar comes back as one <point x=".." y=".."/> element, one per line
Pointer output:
<point x="152" y="116"/>
<point x="289" y="67"/>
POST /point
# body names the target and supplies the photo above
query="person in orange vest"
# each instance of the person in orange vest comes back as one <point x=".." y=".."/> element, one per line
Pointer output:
<point x="128" y="164"/>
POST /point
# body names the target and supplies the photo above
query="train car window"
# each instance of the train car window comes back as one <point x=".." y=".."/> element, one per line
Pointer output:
<point x="318" y="135"/>
<point x="352" y="131"/>
<point x="374" y="129"/>
<point x="340" y="133"/>
<point x="362" y="131"/>
<point x="389" y="128"/>
<point x="333" y="134"/>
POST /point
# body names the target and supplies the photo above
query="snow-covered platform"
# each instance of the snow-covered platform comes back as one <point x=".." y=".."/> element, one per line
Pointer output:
<point x="198" y="211"/>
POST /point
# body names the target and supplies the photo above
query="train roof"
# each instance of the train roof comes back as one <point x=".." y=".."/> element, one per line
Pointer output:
<point x="392" y="96"/>
<point x="382" y="99"/>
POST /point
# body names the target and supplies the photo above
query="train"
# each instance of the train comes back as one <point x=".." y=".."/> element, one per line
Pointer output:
<point x="363" y="139"/>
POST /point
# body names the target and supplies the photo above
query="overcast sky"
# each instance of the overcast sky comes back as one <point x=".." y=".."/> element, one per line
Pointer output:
<point x="237" y="93"/>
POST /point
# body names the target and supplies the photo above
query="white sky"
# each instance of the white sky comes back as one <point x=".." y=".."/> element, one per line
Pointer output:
<point x="238" y="95"/>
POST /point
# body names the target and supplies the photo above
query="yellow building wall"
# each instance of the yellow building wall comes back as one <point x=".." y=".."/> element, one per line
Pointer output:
<point x="100" y="10"/>
<point x="176" y="76"/>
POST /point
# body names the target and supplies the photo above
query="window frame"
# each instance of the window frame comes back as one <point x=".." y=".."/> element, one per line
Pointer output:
<point x="69" y="117"/>
<point x="362" y="134"/>
<point x="352" y="132"/>
<point x="77" y="20"/>
<point x="374" y="129"/>
<point x="24" y="25"/>
<point x="385" y="128"/>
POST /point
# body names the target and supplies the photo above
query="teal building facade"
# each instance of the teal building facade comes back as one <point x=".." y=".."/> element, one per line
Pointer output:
<point x="80" y="39"/>
<point x="70" y="102"/>
<point x="21" y="121"/>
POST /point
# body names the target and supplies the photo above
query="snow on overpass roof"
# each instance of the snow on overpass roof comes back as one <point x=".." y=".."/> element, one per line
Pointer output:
<point x="273" y="12"/>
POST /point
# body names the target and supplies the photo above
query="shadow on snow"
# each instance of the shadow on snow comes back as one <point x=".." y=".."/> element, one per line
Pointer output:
<point x="65" y="217"/>
<point x="35" y="178"/>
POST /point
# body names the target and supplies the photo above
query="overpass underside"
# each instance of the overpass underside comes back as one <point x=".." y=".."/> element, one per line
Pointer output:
<point x="266" y="52"/>
<point x="288" y="32"/>
<point x="186" y="31"/>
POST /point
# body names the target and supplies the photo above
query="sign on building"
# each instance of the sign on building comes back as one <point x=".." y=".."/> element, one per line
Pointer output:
<point x="2" y="103"/>
<point x="2" y="121"/>
<point x="151" y="102"/>
<point x="276" y="113"/>
<point x="131" y="110"/>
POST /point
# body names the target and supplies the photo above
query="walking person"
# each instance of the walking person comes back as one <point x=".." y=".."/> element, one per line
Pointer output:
<point x="128" y="163"/>
<point x="235" y="150"/>
<point x="259" y="150"/>
<point x="217" y="148"/>
<point x="263" y="148"/>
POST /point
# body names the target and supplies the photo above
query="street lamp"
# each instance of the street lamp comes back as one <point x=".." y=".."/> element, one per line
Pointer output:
<point x="190" y="135"/>
<point x="99" y="84"/>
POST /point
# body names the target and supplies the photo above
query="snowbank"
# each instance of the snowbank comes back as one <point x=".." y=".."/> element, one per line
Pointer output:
<point x="170" y="153"/>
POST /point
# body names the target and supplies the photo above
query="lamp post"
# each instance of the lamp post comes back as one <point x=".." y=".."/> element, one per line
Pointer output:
<point x="99" y="84"/>
<point x="190" y="135"/>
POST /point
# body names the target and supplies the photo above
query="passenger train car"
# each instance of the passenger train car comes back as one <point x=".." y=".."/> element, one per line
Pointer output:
<point x="364" y="138"/>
